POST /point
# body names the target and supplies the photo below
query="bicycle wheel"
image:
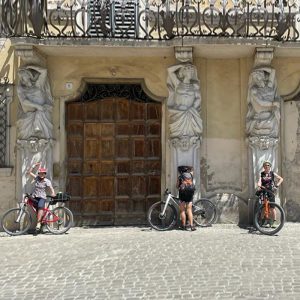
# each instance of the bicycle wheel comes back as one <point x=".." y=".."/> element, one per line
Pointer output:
<point x="16" y="221"/>
<point x="60" y="220"/>
<point x="269" y="225"/>
<point x="160" y="221"/>
<point x="204" y="212"/>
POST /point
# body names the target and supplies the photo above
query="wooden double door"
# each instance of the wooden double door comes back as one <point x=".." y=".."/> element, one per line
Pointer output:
<point x="113" y="160"/>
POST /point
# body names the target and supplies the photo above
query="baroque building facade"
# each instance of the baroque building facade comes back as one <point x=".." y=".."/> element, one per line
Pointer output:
<point x="112" y="96"/>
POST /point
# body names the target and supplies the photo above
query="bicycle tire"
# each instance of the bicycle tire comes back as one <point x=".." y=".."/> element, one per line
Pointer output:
<point x="159" y="222"/>
<point x="204" y="212"/>
<point x="259" y="221"/>
<point x="64" y="223"/>
<point x="9" y="224"/>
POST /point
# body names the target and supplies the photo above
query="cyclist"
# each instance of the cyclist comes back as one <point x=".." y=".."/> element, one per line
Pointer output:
<point x="269" y="181"/>
<point x="186" y="192"/>
<point x="41" y="184"/>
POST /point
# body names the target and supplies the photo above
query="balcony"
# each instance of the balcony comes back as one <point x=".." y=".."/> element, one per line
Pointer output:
<point x="150" y="20"/>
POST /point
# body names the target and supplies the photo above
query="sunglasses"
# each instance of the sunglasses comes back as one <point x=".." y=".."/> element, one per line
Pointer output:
<point x="267" y="166"/>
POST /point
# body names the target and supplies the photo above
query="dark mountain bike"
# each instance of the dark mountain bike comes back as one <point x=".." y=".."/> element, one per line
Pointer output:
<point x="163" y="215"/>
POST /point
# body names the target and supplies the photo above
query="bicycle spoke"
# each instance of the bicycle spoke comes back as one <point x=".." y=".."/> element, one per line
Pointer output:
<point x="59" y="220"/>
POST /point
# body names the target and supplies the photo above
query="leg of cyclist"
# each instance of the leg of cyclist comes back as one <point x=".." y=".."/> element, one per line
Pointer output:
<point x="182" y="206"/>
<point x="190" y="215"/>
<point x="272" y="209"/>
<point x="41" y="206"/>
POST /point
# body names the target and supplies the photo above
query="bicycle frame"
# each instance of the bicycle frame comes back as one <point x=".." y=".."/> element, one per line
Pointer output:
<point x="170" y="198"/>
<point x="28" y="201"/>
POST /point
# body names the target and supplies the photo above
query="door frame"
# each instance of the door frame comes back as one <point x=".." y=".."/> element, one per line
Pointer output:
<point x="79" y="92"/>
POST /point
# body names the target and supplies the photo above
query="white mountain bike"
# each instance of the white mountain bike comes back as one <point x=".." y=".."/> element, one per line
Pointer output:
<point x="163" y="215"/>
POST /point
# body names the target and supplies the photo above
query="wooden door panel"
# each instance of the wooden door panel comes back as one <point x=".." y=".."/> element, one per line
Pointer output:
<point x="75" y="112"/>
<point x="106" y="187"/>
<point x="137" y="166"/>
<point x="91" y="150"/>
<point x="153" y="111"/>
<point x="107" y="149"/>
<point x="91" y="111"/>
<point x="122" y="147"/>
<point x="153" y="128"/>
<point x="106" y="130"/>
<point x="107" y="168"/>
<point x="75" y="128"/>
<point x="107" y="110"/>
<point x="138" y="148"/>
<point x="154" y="185"/>
<point x="91" y="130"/>
<point x="74" y="186"/>
<point x="137" y="111"/>
<point x="138" y="129"/>
<point x="122" y="110"/>
<point x="153" y="148"/>
<point x="114" y="160"/>
<point x="90" y="187"/>
<point x="123" y="129"/>
<point x="122" y="167"/>
<point x="75" y="147"/>
<point x="122" y="186"/>
<point x="91" y="167"/>
<point x="74" y="167"/>
<point x="138" y="186"/>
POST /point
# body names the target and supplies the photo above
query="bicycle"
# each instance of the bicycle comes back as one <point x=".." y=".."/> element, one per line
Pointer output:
<point x="268" y="214"/>
<point x="163" y="215"/>
<point x="58" y="220"/>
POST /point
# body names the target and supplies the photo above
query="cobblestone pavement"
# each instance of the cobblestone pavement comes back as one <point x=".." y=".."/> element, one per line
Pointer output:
<point x="221" y="262"/>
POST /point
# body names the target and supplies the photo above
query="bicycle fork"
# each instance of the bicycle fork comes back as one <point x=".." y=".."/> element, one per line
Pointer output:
<point x="22" y="207"/>
<point x="166" y="205"/>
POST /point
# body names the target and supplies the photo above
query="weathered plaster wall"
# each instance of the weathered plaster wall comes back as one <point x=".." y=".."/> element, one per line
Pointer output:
<point x="288" y="74"/>
<point x="224" y="85"/>
<point x="7" y="174"/>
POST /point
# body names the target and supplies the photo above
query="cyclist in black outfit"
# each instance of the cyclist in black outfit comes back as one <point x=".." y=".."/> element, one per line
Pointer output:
<point x="269" y="181"/>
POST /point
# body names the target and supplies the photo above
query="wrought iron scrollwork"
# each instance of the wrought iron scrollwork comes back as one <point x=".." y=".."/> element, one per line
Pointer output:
<point x="129" y="91"/>
<point x="151" y="19"/>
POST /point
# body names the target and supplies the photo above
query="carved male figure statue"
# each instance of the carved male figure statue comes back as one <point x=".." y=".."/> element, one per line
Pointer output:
<point x="184" y="101"/>
<point x="263" y="117"/>
<point x="36" y="102"/>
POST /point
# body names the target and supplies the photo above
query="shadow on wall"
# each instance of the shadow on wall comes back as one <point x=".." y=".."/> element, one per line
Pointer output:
<point x="293" y="211"/>
<point x="5" y="69"/>
<point x="231" y="209"/>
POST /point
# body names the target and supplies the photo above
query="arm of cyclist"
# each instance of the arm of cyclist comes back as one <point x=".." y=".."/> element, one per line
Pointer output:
<point x="30" y="171"/>
<point x="279" y="180"/>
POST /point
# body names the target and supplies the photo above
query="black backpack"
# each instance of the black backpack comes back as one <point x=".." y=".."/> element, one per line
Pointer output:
<point x="186" y="182"/>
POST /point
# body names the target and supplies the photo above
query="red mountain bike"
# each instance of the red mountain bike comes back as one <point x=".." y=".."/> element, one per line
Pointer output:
<point x="58" y="220"/>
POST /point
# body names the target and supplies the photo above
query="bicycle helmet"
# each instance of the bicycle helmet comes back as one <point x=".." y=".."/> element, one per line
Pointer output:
<point x="42" y="170"/>
<point x="183" y="169"/>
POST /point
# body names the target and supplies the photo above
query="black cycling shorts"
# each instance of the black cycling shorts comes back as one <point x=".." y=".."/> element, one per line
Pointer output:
<point x="186" y="195"/>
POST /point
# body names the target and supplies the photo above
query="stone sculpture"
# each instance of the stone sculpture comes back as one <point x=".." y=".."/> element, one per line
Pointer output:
<point x="36" y="102"/>
<point x="184" y="101"/>
<point x="263" y="117"/>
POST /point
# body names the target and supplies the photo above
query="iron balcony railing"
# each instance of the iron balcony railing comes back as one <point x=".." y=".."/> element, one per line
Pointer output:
<point x="151" y="19"/>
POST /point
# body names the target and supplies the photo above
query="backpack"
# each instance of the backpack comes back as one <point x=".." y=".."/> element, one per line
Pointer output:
<point x="186" y="182"/>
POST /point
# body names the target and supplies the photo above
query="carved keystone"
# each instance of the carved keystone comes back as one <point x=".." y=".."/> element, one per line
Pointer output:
<point x="184" y="54"/>
<point x="30" y="55"/>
